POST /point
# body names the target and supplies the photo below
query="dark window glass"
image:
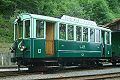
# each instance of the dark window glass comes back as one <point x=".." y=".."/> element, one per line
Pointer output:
<point x="20" y="29"/>
<point x="92" y="35"/>
<point x="62" y="31"/>
<point x="27" y="28"/>
<point x="16" y="31"/>
<point x="39" y="29"/>
<point x="107" y="38"/>
<point x="85" y="34"/>
<point x="78" y="33"/>
<point x="97" y="35"/>
<point x="70" y="32"/>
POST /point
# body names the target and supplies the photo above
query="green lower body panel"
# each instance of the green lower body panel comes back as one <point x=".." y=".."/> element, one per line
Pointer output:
<point x="36" y="48"/>
<point x="78" y="49"/>
<point x="116" y="43"/>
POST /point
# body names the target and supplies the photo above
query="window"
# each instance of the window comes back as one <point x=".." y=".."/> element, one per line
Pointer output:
<point x="85" y="34"/>
<point x="70" y="32"/>
<point x="62" y="31"/>
<point x="15" y="33"/>
<point x="92" y="35"/>
<point x="39" y="29"/>
<point x="78" y="33"/>
<point x="97" y="35"/>
<point x="108" y="37"/>
<point x="19" y="29"/>
<point x="27" y="28"/>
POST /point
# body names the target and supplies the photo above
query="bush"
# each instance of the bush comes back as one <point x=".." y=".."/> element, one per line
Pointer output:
<point x="6" y="30"/>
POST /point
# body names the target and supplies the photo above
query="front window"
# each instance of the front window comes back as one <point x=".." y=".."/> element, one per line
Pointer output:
<point x="39" y="29"/>
<point x="22" y="29"/>
<point x="27" y="28"/>
<point x="19" y="29"/>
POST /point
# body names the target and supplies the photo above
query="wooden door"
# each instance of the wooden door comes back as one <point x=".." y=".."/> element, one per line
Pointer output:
<point x="49" y="39"/>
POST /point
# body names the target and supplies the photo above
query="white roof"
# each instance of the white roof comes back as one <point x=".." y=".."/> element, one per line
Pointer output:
<point x="65" y="19"/>
<point x="78" y="20"/>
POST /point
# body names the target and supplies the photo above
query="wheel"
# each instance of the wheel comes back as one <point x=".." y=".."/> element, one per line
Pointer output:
<point x="114" y="63"/>
<point x="18" y="65"/>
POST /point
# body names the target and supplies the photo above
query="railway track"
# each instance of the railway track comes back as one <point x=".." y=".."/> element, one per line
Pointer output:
<point x="93" y="77"/>
<point x="11" y="69"/>
<point x="67" y="74"/>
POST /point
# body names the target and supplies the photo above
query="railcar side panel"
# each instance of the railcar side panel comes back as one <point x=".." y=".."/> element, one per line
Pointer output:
<point x="79" y="49"/>
<point x="116" y="43"/>
<point x="39" y="48"/>
<point x="108" y="51"/>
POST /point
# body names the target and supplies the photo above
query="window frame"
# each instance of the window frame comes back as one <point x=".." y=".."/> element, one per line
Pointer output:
<point x="81" y="34"/>
<point x="99" y="36"/>
<point x="110" y="37"/>
<point x="29" y="28"/>
<point x="94" y="36"/>
<point x="16" y="31"/>
<point x="109" y="33"/>
<point x="65" y="31"/>
<point x="44" y="29"/>
<point x="87" y="35"/>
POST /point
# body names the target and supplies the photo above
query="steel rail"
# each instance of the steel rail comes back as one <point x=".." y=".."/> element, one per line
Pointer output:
<point x="65" y="74"/>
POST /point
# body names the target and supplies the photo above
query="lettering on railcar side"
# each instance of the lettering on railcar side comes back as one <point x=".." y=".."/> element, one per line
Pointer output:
<point x="82" y="47"/>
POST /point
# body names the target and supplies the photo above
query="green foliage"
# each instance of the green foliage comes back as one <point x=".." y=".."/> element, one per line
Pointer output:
<point x="101" y="11"/>
<point x="6" y="30"/>
<point x="7" y="8"/>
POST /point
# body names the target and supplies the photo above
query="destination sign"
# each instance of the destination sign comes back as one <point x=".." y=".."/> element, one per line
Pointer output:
<point x="78" y="20"/>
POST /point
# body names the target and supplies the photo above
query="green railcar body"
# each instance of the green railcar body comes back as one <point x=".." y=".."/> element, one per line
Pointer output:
<point x="35" y="48"/>
<point x="116" y="43"/>
<point x="63" y="49"/>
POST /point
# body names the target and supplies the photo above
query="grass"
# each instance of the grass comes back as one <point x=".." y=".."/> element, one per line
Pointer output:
<point x="4" y="47"/>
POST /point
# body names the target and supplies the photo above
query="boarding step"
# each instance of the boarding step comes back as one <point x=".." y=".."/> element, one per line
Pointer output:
<point x="49" y="61"/>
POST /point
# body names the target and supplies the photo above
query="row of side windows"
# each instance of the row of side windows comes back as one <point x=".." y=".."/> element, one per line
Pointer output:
<point x="66" y="32"/>
<point x="69" y="32"/>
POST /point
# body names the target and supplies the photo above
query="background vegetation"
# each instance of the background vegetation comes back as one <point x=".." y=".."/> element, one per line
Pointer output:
<point x="101" y="11"/>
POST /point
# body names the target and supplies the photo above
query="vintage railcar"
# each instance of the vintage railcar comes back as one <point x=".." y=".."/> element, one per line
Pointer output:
<point x="115" y="27"/>
<point x="47" y="41"/>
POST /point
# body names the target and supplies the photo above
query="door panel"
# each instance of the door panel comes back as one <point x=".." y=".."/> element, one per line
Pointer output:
<point x="103" y="43"/>
<point x="106" y="48"/>
<point x="50" y="39"/>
